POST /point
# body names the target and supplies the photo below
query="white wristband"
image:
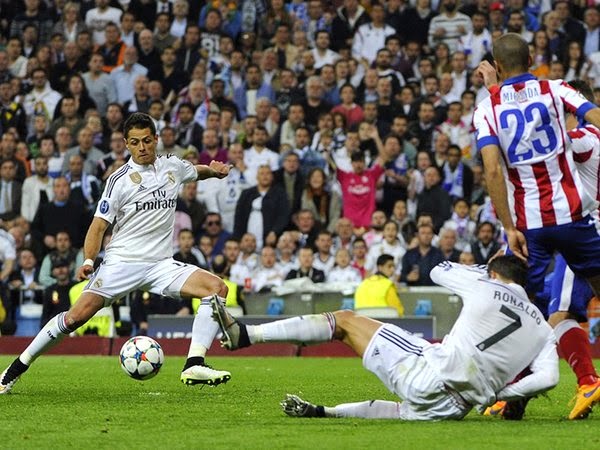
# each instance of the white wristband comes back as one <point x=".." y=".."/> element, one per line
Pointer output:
<point x="88" y="262"/>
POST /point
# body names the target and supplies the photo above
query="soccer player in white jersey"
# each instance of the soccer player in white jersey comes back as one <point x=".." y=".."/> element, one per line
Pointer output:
<point x="531" y="177"/>
<point x="498" y="333"/>
<point x="139" y="201"/>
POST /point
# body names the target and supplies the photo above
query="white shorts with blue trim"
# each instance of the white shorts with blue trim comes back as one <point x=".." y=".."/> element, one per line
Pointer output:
<point x="115" y="279"/>
<point x="395" y="356"/>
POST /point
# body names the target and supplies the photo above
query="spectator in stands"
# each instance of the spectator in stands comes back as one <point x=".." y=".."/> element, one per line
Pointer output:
<point x="343" y="272"/>
<point x="478" y="42"/>
<point x="56" y="296"/>
<point x="370" y="37"/>
<point x="148" y="56"/>
<point x="290" y="179"/>
<point x="231" y="252"/>
<point x="116" y="158"/>
<point x="389" y="245"/>
<point x="188" y="203"/>
<point x="186" y="252"/>
<point x="314" y="104"/>
<point x="124" y="75"/>
<point x="352" y="112"/>
<point x="449" y="25"/>
<point x="374" y="233"/>
<point x="85" y="148"/>
<point x="67" y="117"/>
<point x="358" y="190"/>
<point x="458" y="177"/>
<point x="58" y="215"/>
<point x="23" y="282"/>
<point x="259" y="155"/>
<point x="10" y="191"/>
<point x="35" y="16"/>
<point x="418" y="261"/>
<point x="99" y="17"/>
<point x="267" y="275"/>
<point x="162" y="33"/>
<point x="210" y="149"/>
<point x="572" y="27"/>
<point x="42" y="99"/>
<point x="447" y="245"/>
<point x="466" y="258"/>
<point x="113" y="49"/>
<point x="359" y="256"/>
<point x="263" y="209"/>
<point x="420" y="131"/>
<point x="591" y="20"/>
<point x="485" y="246"/>
<point x="325" y="204"/>
<point x="379" y="290"/>
<point x="306" y="269"/>
<point x="286" y="249"/>
<point x="252" y="89"/>
<point x="213" y="229"/>
<point x="37" y="189"/>
<point x="85" y="188"/>
<point x="349" y="17"/>
<point x="12" y="113"/>
<point x="63" y="250"/>
<point x="324" y="259"/>
<point x="462" y="224"/>
<point x="434" y="199"/>
<point x="72" y="64"/>
<point x="70" y="23"/>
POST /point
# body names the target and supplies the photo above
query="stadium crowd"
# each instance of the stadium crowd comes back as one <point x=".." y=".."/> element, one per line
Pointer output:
<point x="347" y="124"/>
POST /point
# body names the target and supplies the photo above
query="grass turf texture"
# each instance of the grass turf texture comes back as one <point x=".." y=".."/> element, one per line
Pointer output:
<point x="88" y="402"/>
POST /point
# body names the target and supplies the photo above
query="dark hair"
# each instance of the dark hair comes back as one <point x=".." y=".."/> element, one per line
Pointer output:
<point x="383" y="259"/>
<point x="584" y="89"/>
<point x="482" y="224"/>
<point x="139" y="121"/>
<point x="184" y="230"/>
<point x="510" y="267"/>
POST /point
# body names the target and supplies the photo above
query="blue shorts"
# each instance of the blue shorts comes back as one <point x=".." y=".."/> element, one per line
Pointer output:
<point x="569" y="292"/>
<point x="577" y="242"/>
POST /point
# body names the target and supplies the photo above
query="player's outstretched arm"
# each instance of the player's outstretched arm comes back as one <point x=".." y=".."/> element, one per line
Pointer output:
<point x="91" y="246"/>
<point x="593" y="116"/>
<point x="494" y="178"/>
<point x="544" y="375"/>
<point x="215" y="169"/>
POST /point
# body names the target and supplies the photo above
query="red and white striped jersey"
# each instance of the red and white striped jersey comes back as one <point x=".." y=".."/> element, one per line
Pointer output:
<point x="526" y="120"/>
<point x="585" y="143"/>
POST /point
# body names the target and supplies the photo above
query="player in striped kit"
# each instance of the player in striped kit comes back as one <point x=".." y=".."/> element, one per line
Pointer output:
<point x="531" y="177"/>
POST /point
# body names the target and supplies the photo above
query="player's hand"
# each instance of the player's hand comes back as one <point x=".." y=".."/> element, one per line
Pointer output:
<point x="517" y="244"/>
<point x="84" y="272"/>
<point x="488" y="72"/>
<point x="221" y="170"/>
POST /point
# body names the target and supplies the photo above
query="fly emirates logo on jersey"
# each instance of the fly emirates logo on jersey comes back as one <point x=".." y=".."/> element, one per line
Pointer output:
<point x="159" y="201"/>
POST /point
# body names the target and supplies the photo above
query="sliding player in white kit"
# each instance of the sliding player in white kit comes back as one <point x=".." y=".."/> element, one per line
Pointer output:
<point x="139" y="199"/>
<point x="498" y="333"/>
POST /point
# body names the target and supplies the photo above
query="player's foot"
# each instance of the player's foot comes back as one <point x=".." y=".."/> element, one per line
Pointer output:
<point x="11" y="375"/>
<point x="515" y="409"/>
<point x="235" y="334"/>
<point x="495" y="410"/>
<point x="294" y="406"/>
<point x="203" y="374"/>
<point x="587" y="396"/>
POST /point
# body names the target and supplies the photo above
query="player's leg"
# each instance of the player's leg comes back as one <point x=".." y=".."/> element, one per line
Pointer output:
<point x="51" y="334"/>
<point x="294" y="406"/>
<point x="190" y="281"/>
<point x="568" y="306"/>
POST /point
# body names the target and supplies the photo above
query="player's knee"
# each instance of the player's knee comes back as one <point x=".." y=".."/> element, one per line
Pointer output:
<point x="218" y="286"/>
<point x="342" y="319"/>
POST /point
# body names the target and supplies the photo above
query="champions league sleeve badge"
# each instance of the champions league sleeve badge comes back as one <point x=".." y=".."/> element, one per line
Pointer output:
<point x="104" y="207"/>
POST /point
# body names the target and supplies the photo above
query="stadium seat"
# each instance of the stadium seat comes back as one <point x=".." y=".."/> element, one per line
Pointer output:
<point x="378" y="313"/>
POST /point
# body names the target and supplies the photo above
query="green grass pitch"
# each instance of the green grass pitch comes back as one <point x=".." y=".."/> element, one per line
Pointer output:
<point x="88" y="402"/>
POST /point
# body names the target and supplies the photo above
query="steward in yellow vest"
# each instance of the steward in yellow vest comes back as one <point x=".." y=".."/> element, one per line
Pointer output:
<point x="102" y="325"/>
<point x="379" y="291"/>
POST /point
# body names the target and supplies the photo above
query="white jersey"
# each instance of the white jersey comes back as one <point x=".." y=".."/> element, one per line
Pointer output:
<point x="585" y="143"/>
<point x="498" y="333"/>
<point x="140" y="201"/>
<point x="97" y="20"/>
<point x="526" y="120"/>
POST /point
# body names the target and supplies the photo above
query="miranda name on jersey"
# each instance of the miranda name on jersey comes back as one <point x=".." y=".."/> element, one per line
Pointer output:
<point x="524" y="306"/>
<point x="520" y="96"/>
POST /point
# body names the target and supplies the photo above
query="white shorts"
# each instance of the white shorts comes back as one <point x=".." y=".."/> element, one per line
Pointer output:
<point x="395" y="356"/>
<point x="114" y="280"/>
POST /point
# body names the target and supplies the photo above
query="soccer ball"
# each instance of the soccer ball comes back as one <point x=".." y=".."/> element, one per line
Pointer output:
<point x="141" y="357"/>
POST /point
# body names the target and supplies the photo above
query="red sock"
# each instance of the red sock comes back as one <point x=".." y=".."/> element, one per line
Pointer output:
<point x="575" y="347"/>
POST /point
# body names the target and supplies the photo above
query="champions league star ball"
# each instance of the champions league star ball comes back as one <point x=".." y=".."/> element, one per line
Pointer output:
<point x="141" y="357"/>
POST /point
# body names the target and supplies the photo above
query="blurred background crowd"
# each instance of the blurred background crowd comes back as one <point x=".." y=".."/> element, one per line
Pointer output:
<point x="347" y="123"/>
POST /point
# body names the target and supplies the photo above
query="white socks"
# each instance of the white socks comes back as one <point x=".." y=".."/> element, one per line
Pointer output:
<point x="374" y="409"/>
<point x="204" y="329"/>
<point x="52" y="333"/>
<point x="312" y="328"/>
